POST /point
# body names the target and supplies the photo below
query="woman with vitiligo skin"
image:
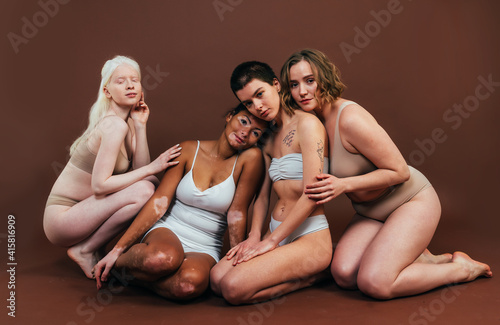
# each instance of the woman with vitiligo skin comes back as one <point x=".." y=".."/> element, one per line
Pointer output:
<point x="209" y="190"/>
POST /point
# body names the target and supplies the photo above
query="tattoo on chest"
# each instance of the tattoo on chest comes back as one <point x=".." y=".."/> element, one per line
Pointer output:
<point x="288" y="139"/>
<point x="321" y="153"/>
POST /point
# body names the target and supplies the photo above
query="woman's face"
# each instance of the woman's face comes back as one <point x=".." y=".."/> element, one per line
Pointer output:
<point x="124" y="86"/>
<point x="243" y="130"/>
<point x="303" y="86"/>
<point x="261" y="99"/>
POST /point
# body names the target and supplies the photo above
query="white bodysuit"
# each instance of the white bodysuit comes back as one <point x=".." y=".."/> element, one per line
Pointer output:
<point x="199" y="218"/>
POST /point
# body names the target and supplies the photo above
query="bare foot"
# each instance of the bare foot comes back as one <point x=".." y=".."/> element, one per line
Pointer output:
<point x="474" y="268"/>
<point x="85" y="260"/>
<point x="429" y="258"/>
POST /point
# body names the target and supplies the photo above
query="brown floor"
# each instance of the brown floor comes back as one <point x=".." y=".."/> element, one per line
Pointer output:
<point x="50" y="289"/>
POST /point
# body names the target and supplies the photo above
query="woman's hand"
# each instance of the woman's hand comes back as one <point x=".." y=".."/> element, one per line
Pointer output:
<point x="103" y="267"/>
<point x="164" y="160"/>
<point x="256" y="249"/>
<point x="140" y="113"/>
<point x="239" y="251"/>
<point x="327" y="188"/>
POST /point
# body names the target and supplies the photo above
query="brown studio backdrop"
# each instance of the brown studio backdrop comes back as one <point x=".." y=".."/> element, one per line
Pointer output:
<point x="421" y="60"/>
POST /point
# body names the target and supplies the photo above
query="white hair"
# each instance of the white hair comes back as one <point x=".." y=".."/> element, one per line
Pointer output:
<point x="102" y="104"/>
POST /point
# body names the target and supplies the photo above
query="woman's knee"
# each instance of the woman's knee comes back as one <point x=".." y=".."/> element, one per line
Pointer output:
<point x="373" y="284"/>
<point x="232" y="289"/>
<point x="161" y="261"/>
<point x="189" y="284"/>
<point x="216" y="275"/>
<point x="344" y="274"/>
<point x="143" y="191"/>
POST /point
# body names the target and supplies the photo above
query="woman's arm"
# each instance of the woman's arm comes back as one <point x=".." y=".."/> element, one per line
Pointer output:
<point x="249" y="181"/>
<point x="362" y="134"/>
<point x="261" y="205"/>
<point x="260" y="210"/>
<point x="140" y="148"/>
<point x="113" y="131"/>
<point x="152" y="211"/>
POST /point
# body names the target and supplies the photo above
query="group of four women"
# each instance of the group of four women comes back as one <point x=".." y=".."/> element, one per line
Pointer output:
<point x="174" y="234"/>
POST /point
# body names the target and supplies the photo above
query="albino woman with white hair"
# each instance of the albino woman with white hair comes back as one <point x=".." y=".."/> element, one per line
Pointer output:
<point x="109" y="175"/>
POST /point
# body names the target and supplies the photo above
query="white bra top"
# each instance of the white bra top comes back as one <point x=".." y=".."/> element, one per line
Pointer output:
<point x="217" y="198"/>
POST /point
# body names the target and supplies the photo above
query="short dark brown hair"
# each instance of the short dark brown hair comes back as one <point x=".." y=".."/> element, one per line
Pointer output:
<point x="247" y="71"/>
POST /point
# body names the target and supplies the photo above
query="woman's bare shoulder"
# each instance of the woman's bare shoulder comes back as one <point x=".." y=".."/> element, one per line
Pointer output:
<point x="251" y="154"/>
<point x="309" y="123"/>
<point x="111" y="124"/>
<point x="188" y="148"/>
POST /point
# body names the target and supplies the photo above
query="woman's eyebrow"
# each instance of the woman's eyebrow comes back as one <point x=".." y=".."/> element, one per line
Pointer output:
<point x="250" y="121"/>
<point x="247" y="118"/>
<point x="304" y="77"/>
<point x="257" y="91"/>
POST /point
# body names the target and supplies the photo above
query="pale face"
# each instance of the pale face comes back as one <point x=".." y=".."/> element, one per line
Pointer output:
<point x="303" y="86"/>
<point x="261" y="99"/>
<point x="124" y="86"/>
<point x="243" y="130"/>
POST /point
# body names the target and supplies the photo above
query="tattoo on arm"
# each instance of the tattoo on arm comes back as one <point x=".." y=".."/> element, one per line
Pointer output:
<point x="288" y="139"/>
<point x="321" y="151"/>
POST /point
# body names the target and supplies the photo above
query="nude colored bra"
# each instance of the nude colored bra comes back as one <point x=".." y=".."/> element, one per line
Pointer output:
<point x="289" y="167"/>
<point x="84" y="159"/>
<point x="343" y="162"/>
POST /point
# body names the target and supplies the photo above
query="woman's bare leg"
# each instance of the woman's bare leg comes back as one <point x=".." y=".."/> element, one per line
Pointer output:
<point x="388" y="267"/>
<point x="353" y="244"/>
<point x="91" y="223"/>
<point x="159" y="255"/>
<point x="160" y="264"/>
<point x="280" y="271"/>
<point x="428" y="257"/>
<point x="350" y="249"/>
<point x="190" y="280"/>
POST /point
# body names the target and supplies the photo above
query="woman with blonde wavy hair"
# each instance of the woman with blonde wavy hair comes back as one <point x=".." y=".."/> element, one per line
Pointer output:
<point x="109" y="175"/>
<point x="383" y="252"/>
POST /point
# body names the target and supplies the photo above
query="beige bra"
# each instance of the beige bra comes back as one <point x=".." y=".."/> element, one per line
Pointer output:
<point x="84" y="159"/>
<point x="344" y="163"/>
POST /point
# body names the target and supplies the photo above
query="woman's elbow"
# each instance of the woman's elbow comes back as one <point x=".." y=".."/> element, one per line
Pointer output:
<point x="99" y="190"/>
